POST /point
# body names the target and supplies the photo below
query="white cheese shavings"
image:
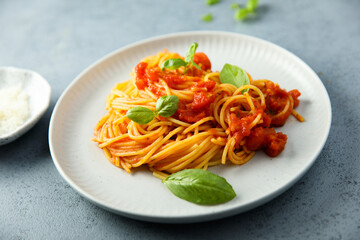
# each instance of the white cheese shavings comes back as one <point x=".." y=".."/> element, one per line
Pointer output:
<point x="14" y="108"/>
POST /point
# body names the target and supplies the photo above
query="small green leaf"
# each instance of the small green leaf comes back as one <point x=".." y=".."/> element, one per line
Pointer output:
<point x="200" y="187"/>
<point x="212" y="2"/>
<point x="191" y="52"/>
<point x="166" y="106"/>
<point x="173" y="63"/>
<point x="234" y="75"/>
<point x="207" y="17"/>
<point x="241" y="14"/>
<point x="140" y="115"/>
<point x="252" y="5"/>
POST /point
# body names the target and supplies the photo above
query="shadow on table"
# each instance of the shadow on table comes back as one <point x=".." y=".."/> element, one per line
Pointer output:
<point x="29" y="148"/>
<point x="251" y="223"/>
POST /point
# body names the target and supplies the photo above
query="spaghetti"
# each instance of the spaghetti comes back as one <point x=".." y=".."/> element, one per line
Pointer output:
<point x="215" y="122"/>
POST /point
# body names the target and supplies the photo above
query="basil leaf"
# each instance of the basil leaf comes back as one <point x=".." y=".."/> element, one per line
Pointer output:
<point x="234" y="75"/>
<point x="251" y="5"/>
<point x="212" y="2"/>
<point x="241" y="14"/>
<point x="191" y="52"/>
<point x="166" y="106"/>
<point x="173" y="63"/>
<point x="140" y="115"/>
<point x="199" y="186"/>
<point x="207" y="17"/>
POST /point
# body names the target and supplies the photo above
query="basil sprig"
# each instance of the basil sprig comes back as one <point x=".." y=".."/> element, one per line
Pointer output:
<point x="175" y="63"/>
<point x="166" y="106"/>
<point x="234" y="75"/>
<point x="242" y="13"/>
<point x="190" y="55"/>
<point x="200" y="187"/>
<point x="251" y="5"/>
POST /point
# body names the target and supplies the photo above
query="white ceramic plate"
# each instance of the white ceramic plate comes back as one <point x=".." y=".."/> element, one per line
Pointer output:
<point x="139" y="195"/>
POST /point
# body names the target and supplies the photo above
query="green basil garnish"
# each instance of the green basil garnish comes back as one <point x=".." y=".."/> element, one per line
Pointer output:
<point x="200" y="187"/>
<point x="234" y="75"/>
<point x="243" y="12"/>
<point x="173" y="63"/>
<point x="191" y="52"/>
<point x="251" y="5"/>
<point x="212" y="2"/>
<point x="207" y="17"/>
<point x="166" y="106"/>
<point x="141" y="115"/>
<point x="190" y="55"/>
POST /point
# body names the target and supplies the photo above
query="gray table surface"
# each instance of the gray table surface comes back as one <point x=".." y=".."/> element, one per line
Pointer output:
<point x="59" y="39"/>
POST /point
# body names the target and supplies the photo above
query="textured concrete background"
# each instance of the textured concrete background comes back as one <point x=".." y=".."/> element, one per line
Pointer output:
<point x="59" y="39"/>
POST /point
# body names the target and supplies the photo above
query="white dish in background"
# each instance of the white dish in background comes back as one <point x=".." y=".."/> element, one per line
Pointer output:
<point x="38" y="91"/>
<point x="141" y="196"/>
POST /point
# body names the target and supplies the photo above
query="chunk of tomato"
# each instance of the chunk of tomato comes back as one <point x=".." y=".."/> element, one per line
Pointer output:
<point x="202" y="60"/>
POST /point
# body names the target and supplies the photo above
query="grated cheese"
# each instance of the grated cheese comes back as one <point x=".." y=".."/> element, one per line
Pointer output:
<point x="14" y="108"/>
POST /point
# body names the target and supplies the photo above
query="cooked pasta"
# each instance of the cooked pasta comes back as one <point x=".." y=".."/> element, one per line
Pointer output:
<point x="215" y="122"/>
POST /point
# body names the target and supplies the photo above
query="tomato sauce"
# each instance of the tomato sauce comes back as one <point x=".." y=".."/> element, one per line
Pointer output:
<point x="186" y="114"/>
<point x="264" y="136"/>
<point x="146" y="77"/>
<point x="261" y="137"/>
<point x="271" y="142"/>
<point x="202" y="60"/>
<point x="204" y="95"/>
<point x="173" y="80"/>
<point x="240" y="125"/>
<point x="200" y="106"/>
<point x="140" y="71"/>
<point x="295" y="94"/>
<point x="276" y="100"/>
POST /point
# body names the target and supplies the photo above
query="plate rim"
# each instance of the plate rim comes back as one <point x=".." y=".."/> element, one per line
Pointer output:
<point x="189" y="218"/>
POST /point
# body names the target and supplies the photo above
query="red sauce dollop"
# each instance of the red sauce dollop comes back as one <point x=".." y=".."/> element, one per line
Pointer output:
<point x="271" y="142"/>
<point x="200" y="106"/>
<point x="202" y="60"/>
<point x="276" y="101"/>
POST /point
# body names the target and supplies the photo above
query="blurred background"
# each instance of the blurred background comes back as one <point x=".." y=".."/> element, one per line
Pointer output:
<point x="59" y="39"/>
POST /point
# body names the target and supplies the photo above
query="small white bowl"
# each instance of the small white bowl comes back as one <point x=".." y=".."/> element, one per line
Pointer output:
<point x="38" y="90"/>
